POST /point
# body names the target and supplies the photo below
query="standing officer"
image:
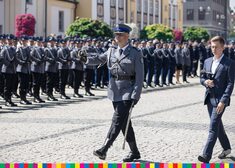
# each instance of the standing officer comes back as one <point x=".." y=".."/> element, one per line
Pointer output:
<point x="218" y="78"/>
<point x="51" y="68"/>
<point x="127" y="74"/>
<point x="23" y="69"/>
<point x="8" y="56"/>
<point x="63" y="55"/>
<point x="37" y="56"/>
<point x="77" y="68"/>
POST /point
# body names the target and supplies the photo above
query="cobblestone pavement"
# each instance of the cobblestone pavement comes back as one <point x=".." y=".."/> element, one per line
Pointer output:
<point x="171" y="125"/>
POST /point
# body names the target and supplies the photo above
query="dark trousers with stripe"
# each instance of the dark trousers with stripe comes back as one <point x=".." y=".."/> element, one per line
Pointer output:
<point x="24" y="84"/>
<point x="119" y="121"/>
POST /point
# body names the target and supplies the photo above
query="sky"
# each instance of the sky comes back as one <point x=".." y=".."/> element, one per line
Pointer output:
<point x="232" y="3"/>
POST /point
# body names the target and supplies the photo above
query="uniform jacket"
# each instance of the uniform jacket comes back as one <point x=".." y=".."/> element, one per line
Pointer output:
<point x="186" y="57"/>
<point x="223" y="80"/>
<point x="23" y="58"/>
<point x="92" y="52"/>
<point x="76" y="62"/>
<point x="37" y="57"/>
<point x="8" y="57"/>
<point x="178" y="56"/>
<point x="130" y="63"/>
<point x="63" y="55"/>
<point x="51" y="60"/>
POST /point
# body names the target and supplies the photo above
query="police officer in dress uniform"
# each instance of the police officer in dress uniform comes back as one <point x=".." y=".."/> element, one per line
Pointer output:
<point x="77" y="68"/>
<point x="37" y="56"/>
<point x="23" y="68"/>
<point x="63" y="55"/>
<point x="51" y="68"/>
<point x="127" y="74"/>
<point x="8" y="57"/>
<point x="2" y="44"/>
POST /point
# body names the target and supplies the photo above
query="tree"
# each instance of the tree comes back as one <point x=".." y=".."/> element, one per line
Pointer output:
<point x="84" y="27"/>
<point x="196" y="33"/>
<point x="25" y="25"/>
<point x="158" y="31"/>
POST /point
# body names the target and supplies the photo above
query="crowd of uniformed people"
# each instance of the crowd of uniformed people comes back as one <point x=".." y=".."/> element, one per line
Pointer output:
<point x="31" y="66"/>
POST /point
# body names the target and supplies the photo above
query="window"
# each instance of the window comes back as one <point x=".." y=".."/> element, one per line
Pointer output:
<point x="145" y="6"/>
<point x="100" y="1"/>
<point x="201" y="14"/>
<point x="61" y="21"/>
<point x="30" y="2"/>
<point x="100" y="10"/>
<point x="1" y="28"/>
<point x="113" y="3"/>
<point x="190" y="14"/>
<point x="138" y="5"/>
<point x="120" y="3"/>
<point x="151" y="6"/>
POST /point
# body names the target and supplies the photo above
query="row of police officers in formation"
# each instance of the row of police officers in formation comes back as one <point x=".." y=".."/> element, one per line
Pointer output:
<point x="29" y="64"/>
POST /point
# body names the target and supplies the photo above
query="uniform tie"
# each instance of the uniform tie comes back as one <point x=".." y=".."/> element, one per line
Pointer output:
<point x="120" y="51"/>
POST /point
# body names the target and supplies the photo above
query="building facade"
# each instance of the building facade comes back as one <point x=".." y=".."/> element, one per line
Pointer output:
<point x="209" y="14"/>
<point x="52" y="16"/>
<point x="140" y="12"/>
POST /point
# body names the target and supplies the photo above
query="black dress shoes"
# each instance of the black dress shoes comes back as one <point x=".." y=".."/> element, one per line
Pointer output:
<point x="51" y="98"/>
<point x="89" y="94"/>
<point x="63" y="96"/>
<point x="131" y="157"/>
<point x="77" y="95"/>
<point x="38" y="100"/>
<point x="10" y="104"/>
<point x="100" y="153"/>
<point x="25" y="102"/>
<point x="203" y="159"/>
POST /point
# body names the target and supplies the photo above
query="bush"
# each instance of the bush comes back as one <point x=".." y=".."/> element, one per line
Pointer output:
<point x="158" y="31"/>
<point x="196" y="33"/>
<point x="25" y="25"/>
<point x="84" y="27"/>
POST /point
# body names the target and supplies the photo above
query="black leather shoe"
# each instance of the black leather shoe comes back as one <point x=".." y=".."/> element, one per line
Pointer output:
<point x="77" y="95"/>
<point x="38" y="100"/>
<point x="15" y="95"/>
<point x="89" y="94"/>
<point x="131" y="157"/>
<point x="25" y="102"/>
<point x="52" y="98"/>
<point x="64" y="96"/>
<point x="0" y="107"/>
<point x="203" y="159"/>
<point x="100" y="153"/>
<point x="10" y="104"/>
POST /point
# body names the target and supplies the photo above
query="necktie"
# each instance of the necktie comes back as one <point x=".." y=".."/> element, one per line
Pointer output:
<point x="120" y="51"/>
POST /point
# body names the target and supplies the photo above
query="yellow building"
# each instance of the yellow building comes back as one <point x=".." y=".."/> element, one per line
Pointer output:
<point x="140" y="12"/>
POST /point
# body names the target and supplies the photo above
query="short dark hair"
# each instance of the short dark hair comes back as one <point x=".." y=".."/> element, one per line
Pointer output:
<point x="219" y="39"/>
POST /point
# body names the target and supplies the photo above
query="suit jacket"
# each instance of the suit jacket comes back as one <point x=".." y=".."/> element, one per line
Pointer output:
<point x="76" y="62"/>
<point x="51" y="60"/>
<point x="223" y="81"/>
<point x="130" y="63"/>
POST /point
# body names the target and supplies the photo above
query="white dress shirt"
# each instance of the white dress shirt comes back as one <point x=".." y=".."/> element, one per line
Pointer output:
<point x="215" y="63"/>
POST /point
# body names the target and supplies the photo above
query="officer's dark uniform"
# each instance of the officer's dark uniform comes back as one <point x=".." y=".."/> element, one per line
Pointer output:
<point x="158" y="64"/>
<point x="8" y="56"/>
<point x="89" y="69"/>
<point x="151" y="63"/>
<point x="2" y="37"/>
<point x="37" y="56"/>
<point x="77" y="68"/>
<point x="165" y="64"/>
<point x="63" y="55"/>
<point x="172" y="64"/>
<point x="125" y="86"/>
<point x="23" y="69"/>
<point x="51" y="69"/>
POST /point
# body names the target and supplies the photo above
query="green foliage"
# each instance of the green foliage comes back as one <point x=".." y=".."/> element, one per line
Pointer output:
<point x="84" y="27"/>
<point x="196" y="33"/>
<point x="158" y="31"/>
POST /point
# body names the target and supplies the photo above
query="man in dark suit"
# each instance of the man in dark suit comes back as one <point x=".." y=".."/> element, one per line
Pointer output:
<point x="218" y="78"/>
